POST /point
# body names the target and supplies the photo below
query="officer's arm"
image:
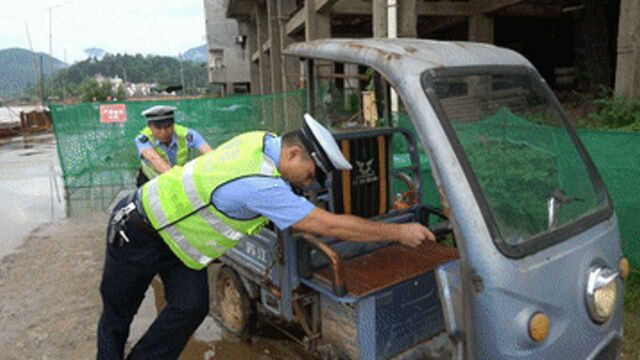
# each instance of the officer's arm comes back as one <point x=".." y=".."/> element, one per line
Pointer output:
<point x="197" y="141"/>
<point x="155" y="160"/>
<point x="204" y="148"/>
<point x="353" y="228"/>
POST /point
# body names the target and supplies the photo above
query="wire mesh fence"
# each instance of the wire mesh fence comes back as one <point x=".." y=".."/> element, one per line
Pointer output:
<point x="97" y="151"/>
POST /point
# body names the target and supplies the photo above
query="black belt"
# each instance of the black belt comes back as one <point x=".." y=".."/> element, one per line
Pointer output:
<point x="132" y="214"/>
<point x="138" y="217"/>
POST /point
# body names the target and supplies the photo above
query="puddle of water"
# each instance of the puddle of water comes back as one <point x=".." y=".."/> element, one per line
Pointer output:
<point x="30" y="189"/>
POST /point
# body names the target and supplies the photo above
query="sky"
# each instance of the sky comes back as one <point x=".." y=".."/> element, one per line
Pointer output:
<point x="159" y="27"/>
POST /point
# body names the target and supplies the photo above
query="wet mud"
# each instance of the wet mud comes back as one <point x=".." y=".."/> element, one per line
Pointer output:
<point x="210" y="342"/>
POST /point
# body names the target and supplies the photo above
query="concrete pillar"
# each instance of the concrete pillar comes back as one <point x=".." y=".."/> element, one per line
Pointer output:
<point x="265" y="107"/>
<point x="273" y="26"/>
<point x="263" y="58"/>
<point x="252" y="47"/>
<point x="379" y="18"/>
<point x="407" y="18"/>
<point x="275" y="52"/>
<point x="481" y="28"/>
<point x="628" y="62"/>
<point x="317" y="25"/>
<point x="480" y="25"/>
<point x="293" y="110"/>
<point x="290" y="64"/>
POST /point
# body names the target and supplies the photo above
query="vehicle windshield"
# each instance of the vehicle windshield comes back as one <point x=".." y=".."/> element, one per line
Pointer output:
<point x="529" y="170"/>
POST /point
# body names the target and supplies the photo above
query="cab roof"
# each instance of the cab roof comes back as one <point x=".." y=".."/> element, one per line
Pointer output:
<point x="407" y="55"/>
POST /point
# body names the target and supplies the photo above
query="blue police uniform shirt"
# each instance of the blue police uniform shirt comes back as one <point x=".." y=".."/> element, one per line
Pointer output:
<point x="250" y="197"/>
<point x="194" y="141"/>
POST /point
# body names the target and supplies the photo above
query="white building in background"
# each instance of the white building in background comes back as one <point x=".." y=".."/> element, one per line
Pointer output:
<point x="227" y="62"/>
<point x="139" y="90"/>
<point x="131" y="89"/>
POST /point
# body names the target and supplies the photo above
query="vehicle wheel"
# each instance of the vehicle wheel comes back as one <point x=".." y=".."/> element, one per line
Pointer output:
<point x="235" y="310"/>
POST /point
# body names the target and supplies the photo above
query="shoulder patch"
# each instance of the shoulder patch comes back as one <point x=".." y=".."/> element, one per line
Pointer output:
<point x="189" y="137"/>
<point x="143" y="138"/>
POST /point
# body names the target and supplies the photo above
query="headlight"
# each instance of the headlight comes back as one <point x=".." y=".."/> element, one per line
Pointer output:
<point x="624" y="269"/>
<point x="602" y="292"/>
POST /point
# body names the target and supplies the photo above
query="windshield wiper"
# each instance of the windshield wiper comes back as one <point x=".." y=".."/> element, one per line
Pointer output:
<point x="557" y="198"/>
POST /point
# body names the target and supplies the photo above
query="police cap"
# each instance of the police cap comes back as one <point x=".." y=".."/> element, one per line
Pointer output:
<point x="322" y="147"/>
<point x="159" y="115"/>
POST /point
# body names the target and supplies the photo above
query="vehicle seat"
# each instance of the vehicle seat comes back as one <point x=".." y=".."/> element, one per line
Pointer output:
<point x="363" y="191"/>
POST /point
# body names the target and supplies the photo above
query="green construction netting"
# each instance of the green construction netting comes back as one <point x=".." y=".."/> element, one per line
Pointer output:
<point x="617" y="157"/>
<point x="519" y="164"/>
<point x="94" y="153"/>
<point x="102" y="156"/>
<point x="615" y="154"/>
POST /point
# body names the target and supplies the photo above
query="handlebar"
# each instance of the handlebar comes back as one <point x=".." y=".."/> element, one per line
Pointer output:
<point x="339" y="288"/>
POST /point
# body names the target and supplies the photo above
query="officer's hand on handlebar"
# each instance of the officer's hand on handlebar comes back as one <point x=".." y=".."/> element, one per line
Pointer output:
<point x="414" y="234"/>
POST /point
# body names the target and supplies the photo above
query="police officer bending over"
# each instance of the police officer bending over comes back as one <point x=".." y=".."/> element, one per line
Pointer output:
<point x="163" y="144"/>
<point x="180" y="221"/>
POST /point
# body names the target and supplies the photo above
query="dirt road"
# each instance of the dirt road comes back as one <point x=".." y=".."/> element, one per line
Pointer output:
<point x="49" y="302"/>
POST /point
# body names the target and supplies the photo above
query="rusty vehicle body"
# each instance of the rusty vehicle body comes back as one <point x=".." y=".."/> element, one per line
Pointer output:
<point x="531" y="268"/>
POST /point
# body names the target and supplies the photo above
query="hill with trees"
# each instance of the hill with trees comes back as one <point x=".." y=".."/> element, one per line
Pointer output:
<point x="17" y="70"/>
<point x="197" y="54"/>
<point x="164" y="71"/>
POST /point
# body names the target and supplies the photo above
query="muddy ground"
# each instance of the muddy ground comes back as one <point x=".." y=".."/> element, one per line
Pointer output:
<point x="50" y="304"/>
<point x="49" y="301"/>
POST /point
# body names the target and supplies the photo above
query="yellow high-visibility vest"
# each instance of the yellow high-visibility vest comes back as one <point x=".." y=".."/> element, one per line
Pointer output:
<point x="182" y="156"/>
<point x="178" y="202"/>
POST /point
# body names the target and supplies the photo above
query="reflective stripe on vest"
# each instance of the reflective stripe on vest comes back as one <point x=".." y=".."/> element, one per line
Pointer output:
<point x="182" y="155"/>
<point x="187" y="234"/>
<point x="180" y="240"/>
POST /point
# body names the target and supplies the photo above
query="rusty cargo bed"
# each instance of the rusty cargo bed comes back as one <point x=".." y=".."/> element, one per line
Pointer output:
<point x="388" y="266"/>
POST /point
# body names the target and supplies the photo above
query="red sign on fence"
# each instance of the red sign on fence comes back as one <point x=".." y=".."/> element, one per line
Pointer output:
<point x="115" y="113"/>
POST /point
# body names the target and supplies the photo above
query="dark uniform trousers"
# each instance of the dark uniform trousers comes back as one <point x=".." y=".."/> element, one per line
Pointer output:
<point x="128" y="270"/>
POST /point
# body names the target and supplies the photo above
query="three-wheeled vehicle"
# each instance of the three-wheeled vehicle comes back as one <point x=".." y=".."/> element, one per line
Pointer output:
<point x="528" y="264"/>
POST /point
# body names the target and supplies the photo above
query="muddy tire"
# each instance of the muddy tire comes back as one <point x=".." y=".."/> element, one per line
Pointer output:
<point x="234" y="309"/>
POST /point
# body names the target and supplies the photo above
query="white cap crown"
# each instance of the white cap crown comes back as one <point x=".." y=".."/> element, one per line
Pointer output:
<point x="159" y="113"/>
<point x="326" y="144"/>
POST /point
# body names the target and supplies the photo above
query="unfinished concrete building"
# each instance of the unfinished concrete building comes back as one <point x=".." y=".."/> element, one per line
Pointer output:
<point x="228" y="65"/>
<point x="573" y="43"/>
